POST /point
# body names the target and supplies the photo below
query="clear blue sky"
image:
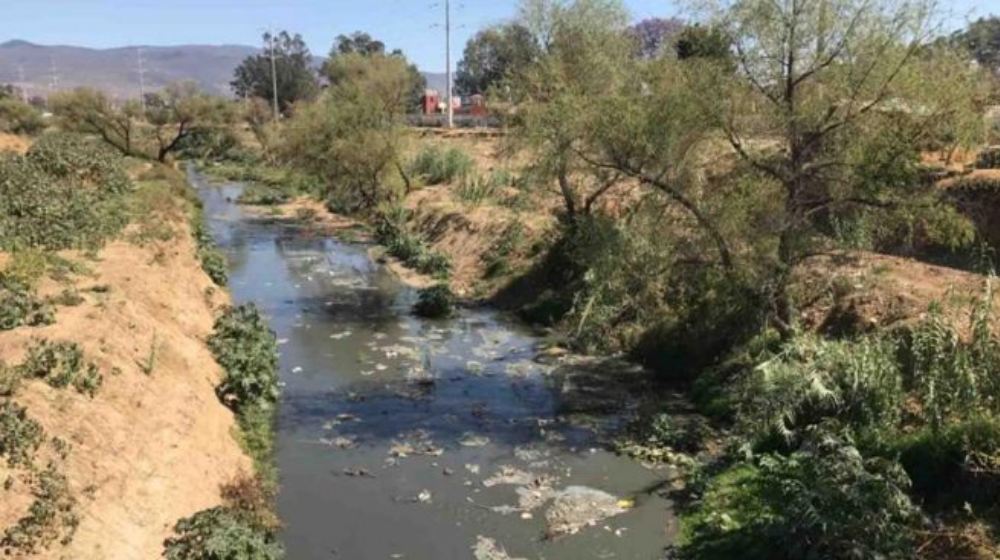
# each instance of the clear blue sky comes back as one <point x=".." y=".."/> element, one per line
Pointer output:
<point x="405" y="24"/>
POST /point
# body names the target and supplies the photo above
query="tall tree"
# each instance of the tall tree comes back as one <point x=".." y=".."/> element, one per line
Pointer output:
<point x="178" y="111"/>
<point x="982" y="39"/>
<point x="89" y="111"/>
<point x="362" y="44"/>
<point x="492" y="54"/>
<point x="586" y="56"/>
<point x="655" y="37"/>
<point x="293" y="69"/>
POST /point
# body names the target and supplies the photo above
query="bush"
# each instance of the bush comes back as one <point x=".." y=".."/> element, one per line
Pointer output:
<point x="19" y="118"/>
<point x="474" y="189"/>
<point x="19" y="305"/>
<point x="20" y="436"/>
<point x="434" y="165"/>
<point x="262" y="195"/>
<point x="66" y="193"/>
<point x="51" y="515"/>
<point x="61" y="364"/>
<point x="434" y="302"/>
<point x="822" y="501"/>
<point x="246" y="349"/>
<point x="221" y="533"/>
<point x="391" y="233"/>
<point x="213" y="262"/>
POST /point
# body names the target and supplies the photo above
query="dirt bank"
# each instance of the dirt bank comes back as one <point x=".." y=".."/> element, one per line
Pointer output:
<point x="154" y="444"/>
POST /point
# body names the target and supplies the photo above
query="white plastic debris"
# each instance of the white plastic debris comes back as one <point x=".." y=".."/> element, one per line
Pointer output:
<point x="488" y="549"/>
<point x="577" y="507"/>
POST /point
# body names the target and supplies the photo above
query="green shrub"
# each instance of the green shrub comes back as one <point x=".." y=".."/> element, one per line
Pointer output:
<point x="19" y="118"/>
<point x="20" y="436"/>
<point x="61" y="364"/>
<point x="435" y="302"/>
<point x="391" y="233"/>
<point x="263" y="195"/>
<point x="497" y="257"/>
<point x="51" y="516"/>
<point x="822" y="501"/>
<point x="246" y="349"/>
<point x="221" y="533"/>
<point x="957" y="464"/>
<point x="19" y="306"/>
<point x="435" y="165"/>
<point x="812" y="379"/>
<point x="67" y="192"/>
<point x="474" y="189"/>
<point x="213" y="262"/>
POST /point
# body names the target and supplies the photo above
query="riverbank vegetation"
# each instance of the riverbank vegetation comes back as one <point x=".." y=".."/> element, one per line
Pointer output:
<point x="698" y="184"/>
<point x="756" y="204"/>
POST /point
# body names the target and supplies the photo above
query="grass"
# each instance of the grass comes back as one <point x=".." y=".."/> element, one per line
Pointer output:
<point x="408" y="248"/>
<point x="434" y="165"/>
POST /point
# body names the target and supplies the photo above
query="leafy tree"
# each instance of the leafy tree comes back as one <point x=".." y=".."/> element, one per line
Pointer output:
<point x="89" y="111"/>
<point x="586" y="56"/>
<point x="655" y="36"/>
<point x="362" y="44"/>
<point x="820" y="85"/>
<point x="178" y="112"/>
<point x="296" y="80"/>
<point x="358" y="42"/>
<point x="492" y="55"/>
<point x="982" y="39"/>
<point x="352" y="136"/>
<point x="699" y="41"/>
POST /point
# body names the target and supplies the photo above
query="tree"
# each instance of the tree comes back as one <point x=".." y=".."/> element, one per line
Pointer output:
<point x="89" y="111"/>
<point x="296" y="80"/>
<point x="358" y="42"/>
<point x="655" y="37"/>
<point x="586" y="56"/>
<point x="697" y="41"/>
<point x="982" y="39"/>
<point x="180" y="110"/>
<point x="492" y="55"/>
<point x="352" y="136"/>
<point x="19" y="117"/>
<point x="362" y="44"/>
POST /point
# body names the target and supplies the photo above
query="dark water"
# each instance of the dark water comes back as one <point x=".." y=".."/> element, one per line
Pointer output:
<point x="392" y="428"/>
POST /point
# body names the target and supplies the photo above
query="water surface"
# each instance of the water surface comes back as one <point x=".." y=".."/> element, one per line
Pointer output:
<point x="396" y="434"/>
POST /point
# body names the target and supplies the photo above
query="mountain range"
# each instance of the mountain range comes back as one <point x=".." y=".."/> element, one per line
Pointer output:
<point x="42" y="69"/>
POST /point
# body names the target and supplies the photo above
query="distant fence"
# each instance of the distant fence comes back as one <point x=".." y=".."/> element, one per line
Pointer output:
<point x="460" y="121"/>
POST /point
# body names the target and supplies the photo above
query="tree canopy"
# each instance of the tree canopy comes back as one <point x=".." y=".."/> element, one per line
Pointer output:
<point x="655" y="36"/>
<point x="296" y="79"/>
<point x="361" y="44"/>
<point x="492" y="54"/>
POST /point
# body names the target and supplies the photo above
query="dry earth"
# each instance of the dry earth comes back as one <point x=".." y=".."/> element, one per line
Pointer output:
<point x="148" y="449"/>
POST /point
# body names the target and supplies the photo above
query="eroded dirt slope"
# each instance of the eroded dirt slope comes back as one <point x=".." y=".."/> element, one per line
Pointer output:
<point x="154" y="444"/>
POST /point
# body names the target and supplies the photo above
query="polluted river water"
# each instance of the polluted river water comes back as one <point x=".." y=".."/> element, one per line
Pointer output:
<point x="406" y="438"/>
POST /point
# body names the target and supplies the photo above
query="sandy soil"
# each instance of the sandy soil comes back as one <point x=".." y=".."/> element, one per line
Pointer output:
<point x="859" y="292"/>
<point x="14" y="143"/>
<point x="148" y="449"/>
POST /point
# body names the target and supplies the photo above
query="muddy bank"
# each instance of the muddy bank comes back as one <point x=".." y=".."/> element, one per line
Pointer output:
<point x="154" y="444"/>
<point x="408" y="438"/>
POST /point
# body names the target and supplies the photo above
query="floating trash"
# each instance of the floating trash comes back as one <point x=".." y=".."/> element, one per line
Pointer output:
<point x="340" y="335"/>
<point x="577" y="507"/>
<point x="488" y="549"/>
<point x="473" y="440"/>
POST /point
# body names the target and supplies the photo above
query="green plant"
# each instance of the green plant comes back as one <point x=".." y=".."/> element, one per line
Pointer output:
<point x="213" y="261"/>
<point x="61" y="364"/>
<point x="51" y="516"/>
<point x="19" y="306"/>
<point x="435" y="165"/>
<point x="149" y="364"/>
<point x="67" y="192"/>
<point x="19" y="118"/>
<point x="221" y="533"/>
<point x="434" y="302"/>
<point x="262" y="195"/>
<point x="390" y="231"/>
<point x="497" y="257"/>
<point x="823" y="500"/>
<point x="246" y="349"/>
<point x="20" y="436"/>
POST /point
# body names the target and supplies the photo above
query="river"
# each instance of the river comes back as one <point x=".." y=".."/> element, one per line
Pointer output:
<point x="401" y="437"/>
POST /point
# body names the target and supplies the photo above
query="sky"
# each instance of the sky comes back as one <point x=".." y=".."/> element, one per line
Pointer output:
<point x="412" y="25"/>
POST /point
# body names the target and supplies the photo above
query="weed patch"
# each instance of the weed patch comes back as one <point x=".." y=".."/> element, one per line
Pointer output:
<point x="61" y="364"/>
<point x="434" y="165"/>
<point x="20" y="436"/>
<point x="51" y="516"/>
<point x="434" y="302"/>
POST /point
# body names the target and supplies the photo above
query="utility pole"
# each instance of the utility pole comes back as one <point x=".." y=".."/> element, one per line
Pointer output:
<point x="274" y="77"/>
<point x="447" y="61"/>
<point x="54" y="84"/>
<point x="142" y="80"/>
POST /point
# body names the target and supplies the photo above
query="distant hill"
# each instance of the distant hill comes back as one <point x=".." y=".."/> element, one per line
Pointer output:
<point x="48" y="68"/>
